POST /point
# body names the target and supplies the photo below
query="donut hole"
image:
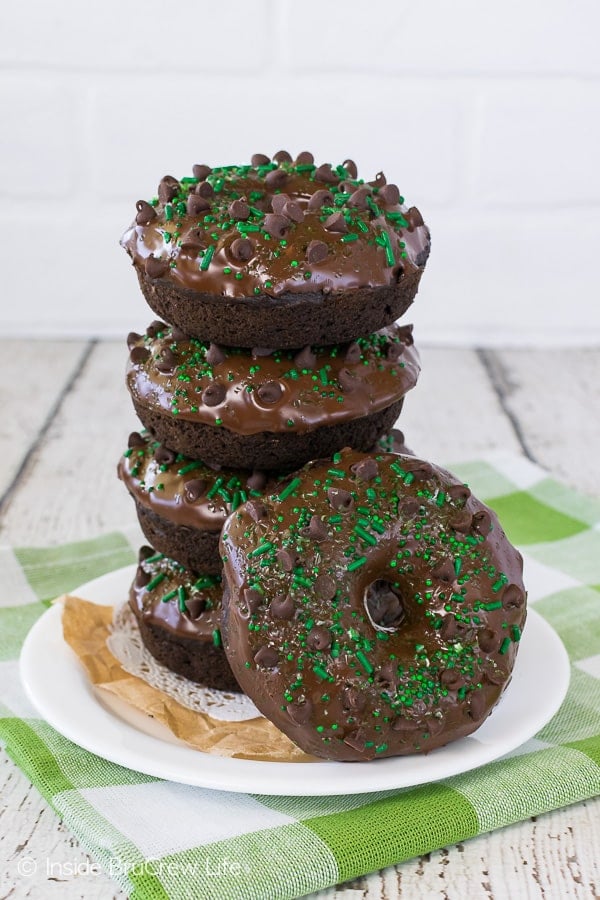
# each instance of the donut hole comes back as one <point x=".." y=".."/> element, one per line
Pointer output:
<point x="384" y="605"/>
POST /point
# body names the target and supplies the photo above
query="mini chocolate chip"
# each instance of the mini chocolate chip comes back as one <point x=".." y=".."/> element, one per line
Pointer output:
<point x="419" y="467"/>
<point x="194" y="489"/>
<point x="394" y="351"/>
<point x="177" y="334"/>
<point x="259" y="159"/>
<point x="366" y="469"/>
<point x="142" y="577"/>
<point x="215" y="355"/>
<point x="256" y="510"/>
<point x="275" y="225"/>
<point x="195" y="606"/>
<point x="356" y="740"/>
<point x="358" y="200"/>
<point x="414" y="218"/>
<point x="493" y="673"/>
<point x="287" y="560"/>
<point x="444" y="571"/>
<point x="336" y="222"/>
<point x="293" y="211"/>
<point x="305" y="158"/>
<point x="347" y="187"/>
<point x="269" y="392"/>
<point x="168" y="189"/>
<point x="156" y="268"/>
<point x="409" y="507"/>
<point x="488" y="640"/>
<point x="132" y="339"/>
<point x="320" y="198"/>
<point x="317" y="530"/>
<point x="214" y="394"/>
<point x="458" y="493"/>
<point x="242" y="249"/>
<point x="201" y="171"/>
<point x="145" y="213"/>
<point x="341" y="500"/>
<point x="135" y="439"/>
<point x="379" y="182"/>
<point x="205" y="190"/>
<point x="325" y="587"/>
<point x="306" y="359"/>
<point x="196" y="237"/>
<point x="482" y="522"/>
<point x="353" y="353"/>
<point x="384" y="605"/>
<point x="267" y="657"/>
<point x="164" y="456"/>
<point x="316" y="252"/>
<point x="477" y="705"/>
<point x="318" y="638"/>
<point x="197" y="205"/>
<point x="253" y="599"/>
<point x="347" y="381"/>
<point x="278" y="201"/>
<point x="239" y="209"/>
<point x="139" y="355"/>
<point x="275" y="179"/>
<point x="449" y="628"/>
<point x="155" y="328"/>
<point x="513" y="597"/>
<point x="353" y="699"/>
<point x="461" y="522"/>
<point x="451" y="679"/>
<point x="409" y="726"/>
<point x="324" y="173"/>
<point x="422" y="256"/>
<point x="167" y="361"/>
<point x="145" y="552"/>
<point x="282" y="607"/>
<point x="387" y="676"/>
<point x="390" y="194"/>
<point x="405" y="334"/>
<point x="256" y="481"/>
<point x="282" y="156"/>
<point x="262" y="351"/>
<point x="300" y="711"/>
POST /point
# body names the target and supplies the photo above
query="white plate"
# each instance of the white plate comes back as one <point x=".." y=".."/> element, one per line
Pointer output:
<point x="58" y="687"/>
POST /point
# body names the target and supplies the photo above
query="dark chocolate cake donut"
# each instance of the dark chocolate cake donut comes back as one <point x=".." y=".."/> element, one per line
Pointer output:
<point x="269" y="409"/>
<point x="179" y="620"/>
<point x="374" y="606"/>
<point x="278" y="253"/>
<point x="182" y="503"/>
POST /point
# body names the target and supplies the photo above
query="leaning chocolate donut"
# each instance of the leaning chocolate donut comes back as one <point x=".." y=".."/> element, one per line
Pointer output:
<point x="269" y="409"/>
<point x="374" y="608"/>
<point x="279" y="253"/>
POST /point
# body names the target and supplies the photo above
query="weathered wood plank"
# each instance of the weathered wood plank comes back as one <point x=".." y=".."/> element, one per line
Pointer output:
<point x="32" y="376"/>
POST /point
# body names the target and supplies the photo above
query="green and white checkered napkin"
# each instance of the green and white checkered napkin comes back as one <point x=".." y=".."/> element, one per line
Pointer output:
<point x="164" y="840"/>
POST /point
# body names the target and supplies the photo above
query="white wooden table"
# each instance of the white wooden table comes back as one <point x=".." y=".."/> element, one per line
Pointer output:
<point x="65" y="420"/>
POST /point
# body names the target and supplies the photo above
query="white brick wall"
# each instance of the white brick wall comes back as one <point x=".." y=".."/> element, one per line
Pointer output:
<point x="488" y="118"/>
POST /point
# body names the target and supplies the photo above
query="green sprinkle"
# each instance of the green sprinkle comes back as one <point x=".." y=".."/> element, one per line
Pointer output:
<point x="216" y="636"/>
<point x="365" y="535"/>
<point x="291" y="487"/>
<point x="356" y="563"/>
<point x="181" y="598"/>
<point x="497" y="604"/>
<point x="440" y="499"/>
<point x="338" y="473"/>
<point x="206" y="581"/>
<point x="320" y="672"/>
<point x="169" y="596"/>
<point x="364" y="662"/>
<point x="207" y="258"/>
<point x="154" y="558"/>
<point x="155" y="581"/>
<point x="381" y="748"/>
<point x="262" y="548"/>
<point x="498" y="584"/>
<point x="189" y="468"/>
<point x="457" y="565"/>
<point x="168" y="212"/>
<point x="335" y="649"/>
<point x="516" y="633"/>
<point x="505" y="645"/>
<point x="348" y="238"/>
<point x="387" y="246"/>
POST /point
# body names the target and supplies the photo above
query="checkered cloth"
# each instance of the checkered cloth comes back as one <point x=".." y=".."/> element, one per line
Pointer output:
<point x="163" y="840"/>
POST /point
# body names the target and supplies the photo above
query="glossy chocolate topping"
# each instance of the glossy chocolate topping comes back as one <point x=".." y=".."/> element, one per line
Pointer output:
<point x="277" y="228"/>
<point x="249" y="392"/>
<point x="376" y="608"/>
<point x="185" y="491"/>
<point x="163" y="593"/>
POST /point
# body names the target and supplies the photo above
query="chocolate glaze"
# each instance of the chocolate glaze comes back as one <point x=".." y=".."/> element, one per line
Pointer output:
<point x="188" y="234"/>
<point x="198" y="618"/>
<point x="395" y="626"/>
<point x="249" y="393"/>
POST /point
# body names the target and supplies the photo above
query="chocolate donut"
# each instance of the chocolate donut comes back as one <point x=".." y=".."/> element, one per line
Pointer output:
<point x="179" y="615"/>
<point x="182" y="503"/>
<point x="375" y="609"/>
<point x="269" y="409"/>
<point x="281" y="253"/>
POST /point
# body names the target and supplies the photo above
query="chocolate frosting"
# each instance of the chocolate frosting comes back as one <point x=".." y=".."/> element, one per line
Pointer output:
<point x="165" y="594"/>
<point x="386" y="606"/>
<point x="249" y="392"/>
<point x="276" y="228"/>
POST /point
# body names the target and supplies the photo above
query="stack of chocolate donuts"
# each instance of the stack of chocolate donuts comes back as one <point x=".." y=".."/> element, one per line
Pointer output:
<point x="365" y="601"/>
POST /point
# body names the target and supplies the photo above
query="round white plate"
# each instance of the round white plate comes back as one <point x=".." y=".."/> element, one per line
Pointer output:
<point x="58" y="687"/>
